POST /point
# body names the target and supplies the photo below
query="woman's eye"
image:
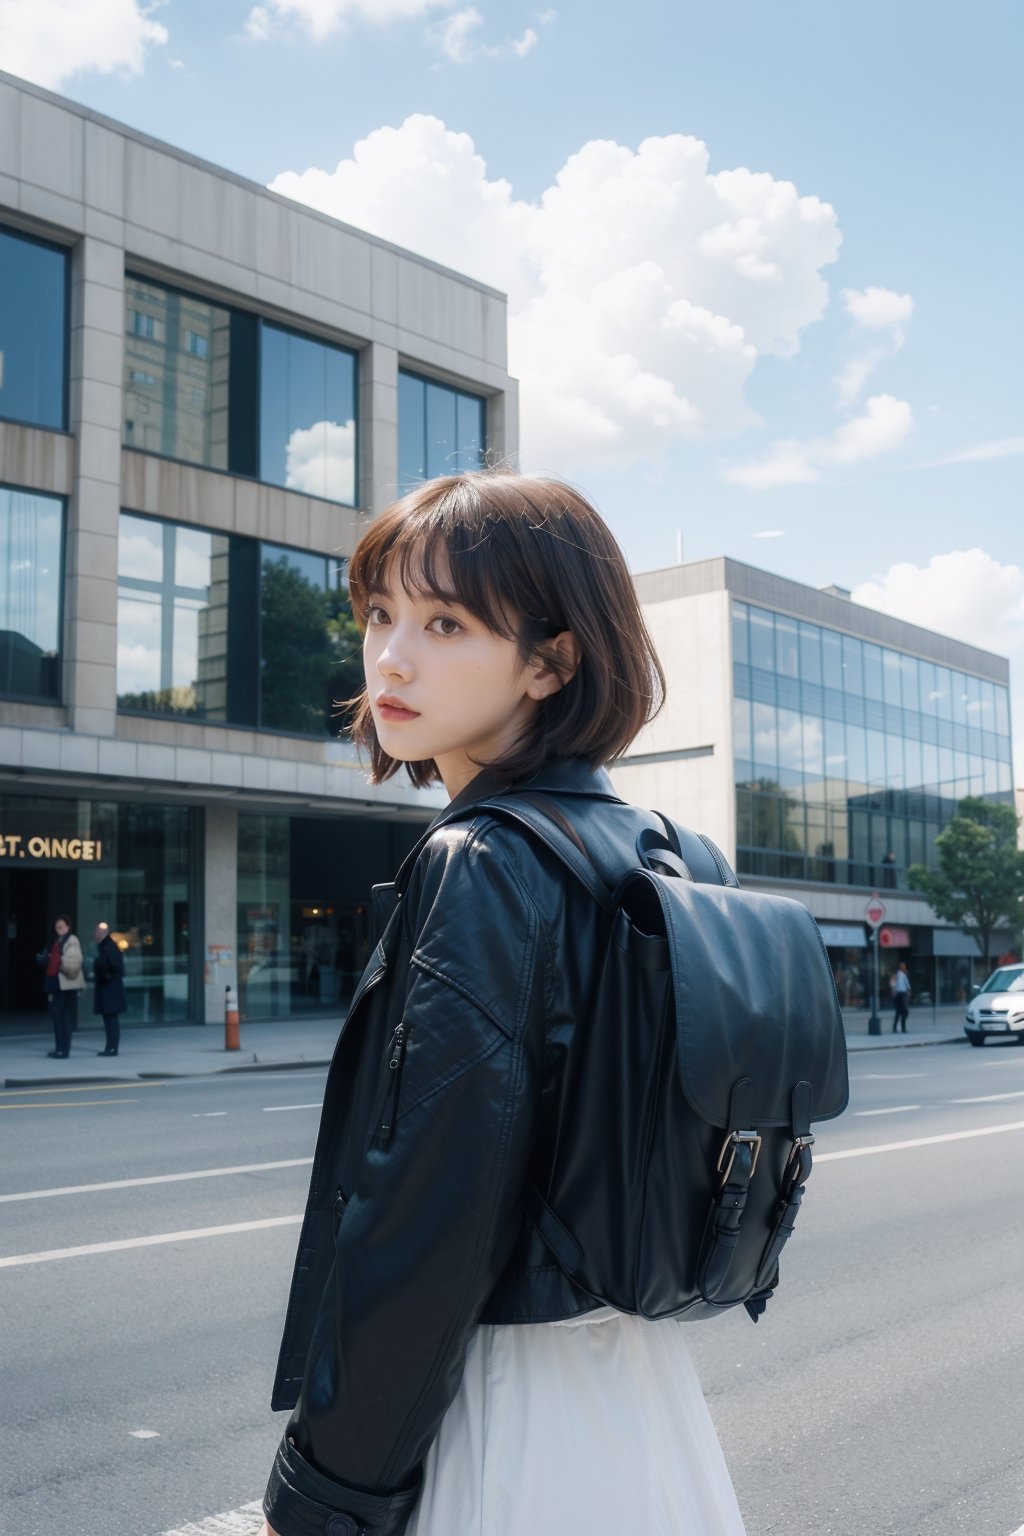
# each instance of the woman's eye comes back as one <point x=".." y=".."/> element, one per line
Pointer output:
<point x="444" y="620"/>
<point x="371" y="614"/>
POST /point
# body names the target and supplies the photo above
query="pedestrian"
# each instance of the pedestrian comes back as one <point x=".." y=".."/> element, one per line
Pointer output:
<point x="445" y="1374"/>
<point x="109" y="998"/>
<point x="63" y="980"/>
<point x="900" y="997"/>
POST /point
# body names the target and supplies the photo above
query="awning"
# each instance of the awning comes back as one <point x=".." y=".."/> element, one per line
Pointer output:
<point x="844" y="935"/>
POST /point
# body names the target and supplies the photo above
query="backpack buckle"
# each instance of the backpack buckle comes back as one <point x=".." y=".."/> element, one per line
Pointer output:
<point x="798" y="1166"/>
<point x="729" y="1146"/>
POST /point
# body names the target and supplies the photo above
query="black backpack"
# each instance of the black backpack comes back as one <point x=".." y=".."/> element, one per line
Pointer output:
<point x="719" y="1010"/>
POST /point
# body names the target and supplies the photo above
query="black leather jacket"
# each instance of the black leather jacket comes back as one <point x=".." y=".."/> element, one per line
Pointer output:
<point x="442" y="1101"/>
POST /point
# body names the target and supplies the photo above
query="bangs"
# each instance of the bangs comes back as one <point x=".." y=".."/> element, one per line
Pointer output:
<point x="432" y="549"/>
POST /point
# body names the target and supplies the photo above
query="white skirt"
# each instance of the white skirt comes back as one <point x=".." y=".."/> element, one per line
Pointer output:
<point x="574" y="1428"/>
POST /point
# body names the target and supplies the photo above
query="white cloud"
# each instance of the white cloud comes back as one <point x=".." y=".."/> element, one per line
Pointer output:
<point x="878" y="309"/>
<point x="460" y="44"/>
<point x="321" y="461"/>
<point x="980" y="453"/>
<point x="642" y="287"/>
<point x="771" y="533"/>
<point x="969" y="595"/>
<point x="322" y="18"/>
<point x="882" y="427"/>
<point x="49" y="40"/>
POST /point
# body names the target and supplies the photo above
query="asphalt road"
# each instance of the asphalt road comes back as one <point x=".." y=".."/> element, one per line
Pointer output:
<point x="882" y="1392"/>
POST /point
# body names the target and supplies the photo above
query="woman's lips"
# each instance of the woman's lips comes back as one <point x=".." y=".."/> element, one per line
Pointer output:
<point x="394" y="712"/>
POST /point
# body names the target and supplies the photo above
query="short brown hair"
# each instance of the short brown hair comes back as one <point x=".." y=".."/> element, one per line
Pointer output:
<point x="529" y="558"/>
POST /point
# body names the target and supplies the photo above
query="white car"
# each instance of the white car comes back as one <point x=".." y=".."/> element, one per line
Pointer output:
<point x="998" y="1009"/>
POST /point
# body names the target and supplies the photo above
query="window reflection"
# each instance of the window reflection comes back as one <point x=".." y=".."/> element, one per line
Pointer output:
<point x="441" y="430"/>
<point x="31" y="544"/>
<point x="855" y="765"/>
<point x="33" y="330"/>
<point x="223" y="628"/>
<point x="307" y="415"/>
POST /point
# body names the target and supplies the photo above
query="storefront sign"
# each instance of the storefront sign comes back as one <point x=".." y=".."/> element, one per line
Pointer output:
<point x="894" y="938"/>
<point x="63" y="850"/>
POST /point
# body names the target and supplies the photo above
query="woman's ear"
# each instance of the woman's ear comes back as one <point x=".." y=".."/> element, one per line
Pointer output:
<point x="555" y="666"/>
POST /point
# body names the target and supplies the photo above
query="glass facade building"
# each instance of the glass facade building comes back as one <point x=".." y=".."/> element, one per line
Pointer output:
<point x="130" y="865"/>
<point x="230" y="630"/>
<point x="441" y="430"/>
<point x="33" y="331"/>
<point x="850" y="757"/>
<point x="223" y="388"/>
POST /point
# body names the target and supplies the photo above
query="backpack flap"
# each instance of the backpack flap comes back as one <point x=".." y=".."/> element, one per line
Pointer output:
<point x="754" y="1000"/>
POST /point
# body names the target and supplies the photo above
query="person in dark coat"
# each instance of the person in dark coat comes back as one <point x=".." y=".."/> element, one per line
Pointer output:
<point x="110" y="999"/>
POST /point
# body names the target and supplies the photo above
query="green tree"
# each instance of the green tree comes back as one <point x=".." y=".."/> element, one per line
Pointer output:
<point x="979" y="882"/>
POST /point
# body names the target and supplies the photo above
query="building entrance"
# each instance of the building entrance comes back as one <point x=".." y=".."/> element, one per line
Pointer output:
<point x="30" y="899"/>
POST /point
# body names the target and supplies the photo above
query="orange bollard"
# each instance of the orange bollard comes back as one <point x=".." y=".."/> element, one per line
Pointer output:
<point x="231" y="1040"/>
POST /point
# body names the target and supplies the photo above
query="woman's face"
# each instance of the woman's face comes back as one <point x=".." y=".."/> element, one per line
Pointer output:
<point x="60" y="927"/>
<point x="463" y="690"/>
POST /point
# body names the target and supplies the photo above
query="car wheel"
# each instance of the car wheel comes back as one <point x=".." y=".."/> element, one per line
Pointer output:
<point x="976" y="1039"/>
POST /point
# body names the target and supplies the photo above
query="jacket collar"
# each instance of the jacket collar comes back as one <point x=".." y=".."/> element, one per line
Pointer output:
<point x="558" y="776"/>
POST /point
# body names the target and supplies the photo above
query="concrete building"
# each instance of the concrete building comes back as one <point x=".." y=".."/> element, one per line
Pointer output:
<point x="205" y="391"/>
<point x="824" y="746"/>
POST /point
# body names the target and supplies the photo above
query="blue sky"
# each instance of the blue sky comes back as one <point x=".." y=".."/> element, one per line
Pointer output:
<point x="805" y="353"/>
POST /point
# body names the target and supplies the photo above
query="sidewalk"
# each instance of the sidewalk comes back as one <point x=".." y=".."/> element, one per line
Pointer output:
<point x="167" y="1050"/>
<point x="191" y="1050"/>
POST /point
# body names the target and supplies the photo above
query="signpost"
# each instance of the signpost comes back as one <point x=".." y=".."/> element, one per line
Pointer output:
<point x="874" y="916"/>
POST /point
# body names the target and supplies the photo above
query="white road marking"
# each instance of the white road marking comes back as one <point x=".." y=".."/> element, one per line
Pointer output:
<point x="990" y="1098"/>
<point x="157" y="1178"/>
<point x="85" y="1250"/>
<point x="247" y="1520"/>
<point x="885" y="1077"/>
<point x="144" y="1434"/>
<point x="276" y="1109"/>
<point x="919" y="1141"/>
<point x="210" y="1114"/>
<point x="893" y="1109"/>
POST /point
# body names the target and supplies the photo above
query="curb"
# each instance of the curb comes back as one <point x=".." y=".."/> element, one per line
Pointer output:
<point x="154" y="1076"/>
<point x="909" y="1044"/>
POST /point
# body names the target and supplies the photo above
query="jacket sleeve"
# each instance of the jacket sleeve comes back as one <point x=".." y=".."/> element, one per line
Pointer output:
<point x="427" y="1230"/>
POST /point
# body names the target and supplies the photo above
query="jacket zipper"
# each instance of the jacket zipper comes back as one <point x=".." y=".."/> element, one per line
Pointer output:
<point x="396" y="1058"/>
<point x="339" y="1210"/>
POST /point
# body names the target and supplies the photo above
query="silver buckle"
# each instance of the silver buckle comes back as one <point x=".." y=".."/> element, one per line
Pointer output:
<point x="732" y="1141"/>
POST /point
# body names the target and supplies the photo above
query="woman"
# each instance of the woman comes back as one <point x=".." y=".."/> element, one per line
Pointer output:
<point x="446" y="1376"/>
<point x="63" y="981"/>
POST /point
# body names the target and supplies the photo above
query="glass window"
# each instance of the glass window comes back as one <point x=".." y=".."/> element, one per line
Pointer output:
<point x="872" y="671"/>
<point x="857" y="757"/>
<point x="33" y="331"/>
<point x="762" y="640"/>
<point x="929" y="688"/>
<point x="988" y="706"/>
<point x="810" y="653"/>
<point x="173" y="620"/>
<point x="307" y="415"/>
<point x="959" y="692"/>
<point x="766" y="749"/>
<point x="177" y="373"/>
<point x="1002" y="705"/>
<point x="972" y="702"/>
<point x="787" y="659"/>
<point x="853" y="665"/>
<point x="891" y="679"/>
<point x="222" y="628"/>
<point x="31" y="545"/>
<point x="791" y="745"/>
<point x="741" y="736"/>
<point x="876" y="758"/>
<point x="740" y="652"/>
<point x="831" y="659"/>
<point x="441" y="430"/>
<point x="309" y="646"/>
<point x="909" y="682"/>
